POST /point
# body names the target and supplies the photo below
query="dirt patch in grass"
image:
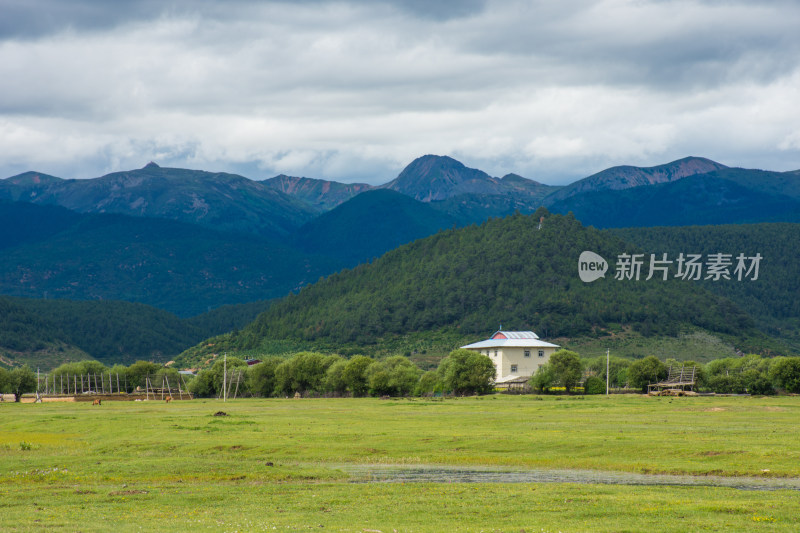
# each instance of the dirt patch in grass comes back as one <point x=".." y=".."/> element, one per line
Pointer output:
<point x="713" y="453"/>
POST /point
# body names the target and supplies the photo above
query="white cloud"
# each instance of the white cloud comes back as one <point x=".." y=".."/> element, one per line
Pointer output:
<point x="356" y="90"/>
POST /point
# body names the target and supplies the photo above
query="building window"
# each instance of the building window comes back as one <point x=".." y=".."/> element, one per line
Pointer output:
<point x="495" y="353"/>
<point x="541" y="353"/>
<point x="527" y="353"/>
<point x="513" y="368"/>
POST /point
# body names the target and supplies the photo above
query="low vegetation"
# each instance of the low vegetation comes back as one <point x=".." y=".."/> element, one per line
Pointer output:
<point x="291" y="464"/>
<point x="461" y="373"/>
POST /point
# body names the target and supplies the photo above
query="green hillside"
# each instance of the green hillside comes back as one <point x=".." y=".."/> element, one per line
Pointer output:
<point x="626" y="176"/>
<point x="322" y="195"/>
<point x="369" y="225"/>
<point x="47" y="333"/>
<point x="179" y="267"/>
<point x="703" y="199"/>
<point x="22" y="223"/>
<point x="469" y="209"/>
<point x="772" y="300"/>
<point x="217" y="200"/>
<point x="507" y="271"/>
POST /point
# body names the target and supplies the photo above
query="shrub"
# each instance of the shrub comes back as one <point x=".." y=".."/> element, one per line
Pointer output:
<point x="645" y="371"/>
<point x="594" y="385"/>
<point x="467" y="372"/>
<point x="567" y="368"/>
<point x="785" y="374"/>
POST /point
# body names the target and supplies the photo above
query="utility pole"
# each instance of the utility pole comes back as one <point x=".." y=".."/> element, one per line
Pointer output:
<point x="608" y="351"/>
<point x="225" y="377"/>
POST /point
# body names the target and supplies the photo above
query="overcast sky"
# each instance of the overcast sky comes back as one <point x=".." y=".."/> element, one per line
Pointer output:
<point x="355" y="90"/>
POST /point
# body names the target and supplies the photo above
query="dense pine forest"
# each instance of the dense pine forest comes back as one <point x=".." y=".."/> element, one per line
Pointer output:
<point x="506" y="271"/>
<point x="772" y="299"/>
<point x="49" y="332"/>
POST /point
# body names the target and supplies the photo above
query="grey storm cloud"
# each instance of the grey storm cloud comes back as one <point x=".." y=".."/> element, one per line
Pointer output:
<point x="353" y="90"/>
<point x="30" y="19"/>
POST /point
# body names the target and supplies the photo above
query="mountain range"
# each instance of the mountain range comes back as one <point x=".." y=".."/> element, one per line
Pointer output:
<point x="226" y="202"/>
<point x="187" y="241"/>
<point x="279" y="206"/>
<point x="520" y="271"/>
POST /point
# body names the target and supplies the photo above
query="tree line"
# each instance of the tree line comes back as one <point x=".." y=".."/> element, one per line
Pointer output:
<point x="749" y="374"/>
<point x="316" y="374"/>
<point x="462" y="372"/>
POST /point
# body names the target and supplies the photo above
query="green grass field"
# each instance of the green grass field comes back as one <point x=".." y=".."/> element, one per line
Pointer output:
<point x="288" y="464"/>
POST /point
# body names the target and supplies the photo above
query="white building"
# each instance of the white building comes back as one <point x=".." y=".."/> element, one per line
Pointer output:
<point x="515" y="354"/>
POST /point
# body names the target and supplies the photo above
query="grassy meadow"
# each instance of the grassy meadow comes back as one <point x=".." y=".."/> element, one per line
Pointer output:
<point x="289" y="464"/>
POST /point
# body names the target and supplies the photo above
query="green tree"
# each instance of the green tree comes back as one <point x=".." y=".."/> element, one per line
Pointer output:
<point x="21" y="380"/>
<point x="202" y="386"/>
<point x="334" y="378"/>
<point x="594" y="385"/>
<point x="139" y="371"/>
<point x="567" y="368"/>
<point x="235" y="369"/>
<point x="544" y="378"/>
<point x="304" y="372"/>
<point x="355" y="374"/>
<point x="119" y="374"/>
<point x="261" y="377"/>
<point x="617" y="367"/>
<point x="467" y="372"/>
<point x="645" y="371"/>
<point x="785" y="374"/>
<point x="3" y="380"/>
<point x="757" y="382"/>
<point x="394" y="376"/>
<point x="429" y="383"/>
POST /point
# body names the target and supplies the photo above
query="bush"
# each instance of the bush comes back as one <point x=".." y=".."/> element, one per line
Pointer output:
<point x="726" y="384"/>
<point x="394" y="376"/>
<point x="594" y="385"/>
<point x="429" y="383"/>
<point x="785" y="374"/>
<point x="261" y="377"/>
<point x="567" y="368"/>
<point x="645" y="371"/>
<point x="355" y="374"/>
<point x="467" y="372"/>
<point x="305" y="373"/>
<point x="543" y="379"/>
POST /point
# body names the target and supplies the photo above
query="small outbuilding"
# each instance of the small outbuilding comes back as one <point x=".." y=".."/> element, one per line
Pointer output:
<point x="515" y="354"/>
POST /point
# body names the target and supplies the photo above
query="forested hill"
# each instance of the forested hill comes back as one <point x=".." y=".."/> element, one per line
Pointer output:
<point x="506" y="271"/>
<point x="112" y="332"/>
<point x="772" y="300"/>
<point x="183" y="268"/>
<point x="369" y="225"/>
<point x="47" y="333"/>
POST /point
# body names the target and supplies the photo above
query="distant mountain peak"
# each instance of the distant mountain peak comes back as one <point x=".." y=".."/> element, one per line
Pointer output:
<point x="151" y="164"/>
<point x="320" y="194"/>
<point x="435" y="177"/>
<point x="627" y="176"/>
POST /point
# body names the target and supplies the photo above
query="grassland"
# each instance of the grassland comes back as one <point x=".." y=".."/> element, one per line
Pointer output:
<point x="284" y="464"/>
